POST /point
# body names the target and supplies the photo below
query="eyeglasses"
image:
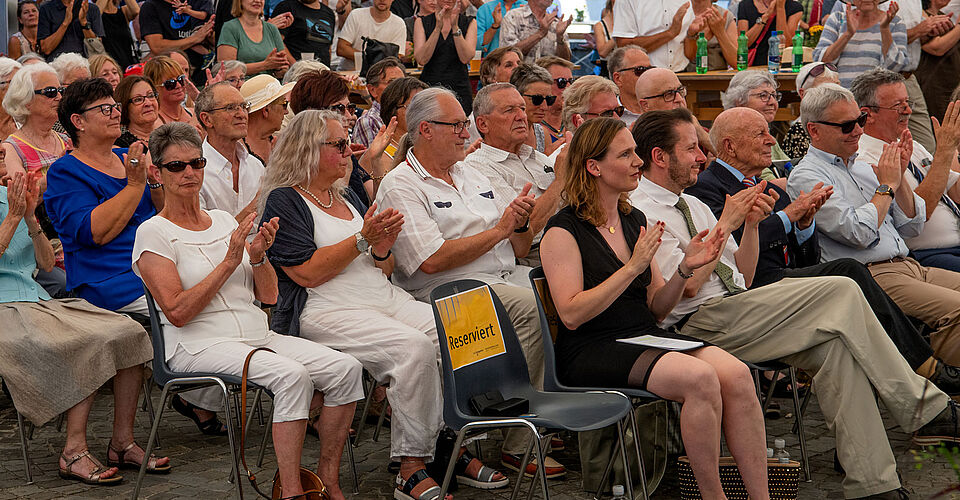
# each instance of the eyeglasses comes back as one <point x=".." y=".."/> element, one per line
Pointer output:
<point x="457" y="126"/>
<point x="178" y="166"/>
<point x="106" y="109"/>
<point x="671" y="95"/>
<point x="173" y="82"/>
<point x="235" y="80"/>
<point x="901" y="107"/>
<point x="610" y="113"/>
<point x="5" y="82"/>
<point x="538" y="99"/>
<point x="342" y="108"/>
<point x="563" y="82"/>
<point x="138" y="99"/>
<point x="847" y="126"/>
<point x="50" y="92"/>
<point x="232" y="108"/>
<point x="637" y="70"/>
<point x="765" y="96"/>
<point x="340" y="144"/>
<point x="817" y="71"/>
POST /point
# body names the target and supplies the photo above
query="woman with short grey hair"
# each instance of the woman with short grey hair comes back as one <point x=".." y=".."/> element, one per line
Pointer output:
<point x="756" y="89"/>
<point x="233" y="72"/>
<point x="71" y="67"/>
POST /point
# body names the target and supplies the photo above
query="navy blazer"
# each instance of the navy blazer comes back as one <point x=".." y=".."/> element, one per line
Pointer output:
<point x="715" y="182"/>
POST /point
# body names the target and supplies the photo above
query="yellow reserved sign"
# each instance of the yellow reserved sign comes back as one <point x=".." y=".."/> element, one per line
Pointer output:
<point x="472" y="327"/>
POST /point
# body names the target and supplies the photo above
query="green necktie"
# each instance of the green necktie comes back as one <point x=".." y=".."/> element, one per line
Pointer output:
<point x="723" y="271"/>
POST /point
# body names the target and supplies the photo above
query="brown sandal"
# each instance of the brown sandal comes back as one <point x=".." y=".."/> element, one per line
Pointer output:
<point x="94" y="476"/>
<point x="120" y="463"/>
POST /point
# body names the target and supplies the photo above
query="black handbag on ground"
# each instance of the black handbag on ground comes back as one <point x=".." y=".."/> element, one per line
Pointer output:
<point x="374" y="51"/>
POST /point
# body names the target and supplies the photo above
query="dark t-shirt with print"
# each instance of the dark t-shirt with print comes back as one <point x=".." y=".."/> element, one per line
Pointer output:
<point x="157" y="17"/>
<point x="311" y="31"/>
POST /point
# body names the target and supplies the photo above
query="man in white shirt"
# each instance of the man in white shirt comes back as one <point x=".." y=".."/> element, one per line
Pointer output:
<point x="376" y="22"/>
<point x="884" y="97"/>
<point x="626" y="64"/>
<point x="508" y="163"/>
<point x="457" y="227"/>
<point x="822" y="325"/>
<point x="232" y="177"/>
<point x="657" y="26"/>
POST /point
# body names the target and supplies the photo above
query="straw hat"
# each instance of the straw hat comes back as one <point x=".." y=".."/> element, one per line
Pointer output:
<point x="262" y="90"/>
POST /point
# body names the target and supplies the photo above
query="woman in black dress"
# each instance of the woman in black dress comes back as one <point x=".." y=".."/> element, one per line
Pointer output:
<point x="598" y="257"/>
<point x="116" y="16"/>
<point x="446" y="52"/>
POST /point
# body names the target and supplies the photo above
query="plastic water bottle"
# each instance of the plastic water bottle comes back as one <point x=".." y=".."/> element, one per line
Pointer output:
<point x="618" y="493"/>
<point x="703" y="57"/>
<point x="780" y="452"/>
<point x="797" y="52"/>
<point x="773" y="54"/>
<point x="742" y="51"/>
<point x="769" y="453"/>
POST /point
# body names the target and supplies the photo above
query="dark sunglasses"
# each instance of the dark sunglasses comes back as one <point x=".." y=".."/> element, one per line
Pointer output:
<point x="173" y="82"/>
<point x="563" y="82"/>
<point x="817" y="71"/>
<point x="847" y="126"/>
<point x="637" y="70"/>
<point x="179" y="166"/>
<point x="538" y="99"/>
<point x="610" y="113"/>
<point x="340" y="144"/>
<point x="50" y="92"/>
<point x="342" y="108"/>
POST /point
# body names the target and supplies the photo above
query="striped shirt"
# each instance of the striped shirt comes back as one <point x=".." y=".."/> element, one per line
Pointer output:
<point x="862" y="52"/>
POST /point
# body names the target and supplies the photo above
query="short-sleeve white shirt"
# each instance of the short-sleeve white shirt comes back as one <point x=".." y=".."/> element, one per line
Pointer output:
<point x="649" y="17"/>
<point x="217" y="190"/>
<point x="360" y="24"/>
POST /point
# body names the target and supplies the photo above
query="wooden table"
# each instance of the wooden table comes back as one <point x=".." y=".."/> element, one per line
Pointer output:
<point x="715" y="81"/>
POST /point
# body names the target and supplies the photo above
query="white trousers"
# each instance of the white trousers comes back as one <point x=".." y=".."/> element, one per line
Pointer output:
<point x="296" y="368"/>
<point x="397" y="343"/>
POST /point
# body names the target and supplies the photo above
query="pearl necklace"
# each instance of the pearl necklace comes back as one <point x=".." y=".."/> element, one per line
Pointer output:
<point x="329" y="193"/>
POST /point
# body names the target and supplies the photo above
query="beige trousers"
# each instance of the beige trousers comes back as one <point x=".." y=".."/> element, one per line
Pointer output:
<point x="824" y="326"/>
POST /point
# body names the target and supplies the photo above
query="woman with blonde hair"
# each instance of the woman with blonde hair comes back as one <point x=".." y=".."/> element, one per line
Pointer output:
<point x="106" y="67"/>
<point x="171" y="83"/>
<point x="598" y="258"/>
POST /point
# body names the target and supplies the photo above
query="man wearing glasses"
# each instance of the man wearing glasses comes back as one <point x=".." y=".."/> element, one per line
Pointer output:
<point x="232" y="179"/>
<point x="626" y="64"/>
<point x="873" y="210"/>
<point x="659" y="89"/>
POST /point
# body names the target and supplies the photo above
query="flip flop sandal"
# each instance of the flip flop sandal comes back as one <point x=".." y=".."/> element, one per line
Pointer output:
<point x="404" y="489"/>
<point x="211" y="427"/>
<point x="122" y="463"/>
<point x="484" y="479"/>
<point x="93" y="477"/>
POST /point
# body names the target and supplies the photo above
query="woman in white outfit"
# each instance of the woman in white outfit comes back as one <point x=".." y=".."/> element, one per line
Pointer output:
<point x="205" y="278"/>
<point x="334" y="262"/>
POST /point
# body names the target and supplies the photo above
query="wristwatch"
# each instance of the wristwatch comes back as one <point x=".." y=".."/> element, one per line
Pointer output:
<point x="459" y="33"/>
<point x="885" y="189"/>
<point x="362" y="244"/>
<point x="87" y="26"/>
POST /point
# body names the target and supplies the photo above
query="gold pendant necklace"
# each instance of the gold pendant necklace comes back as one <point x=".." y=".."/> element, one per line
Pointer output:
<point x="612" y="229"/>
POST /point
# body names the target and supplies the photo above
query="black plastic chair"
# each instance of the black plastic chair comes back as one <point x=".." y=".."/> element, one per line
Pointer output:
<point x="507" y="373"/>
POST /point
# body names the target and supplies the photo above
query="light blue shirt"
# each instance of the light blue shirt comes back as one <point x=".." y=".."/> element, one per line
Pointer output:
<point x="847" y="222"/>
<point x="801" y="234"/>
<point x="485" y="20"/>
<point x="18" y="263"/>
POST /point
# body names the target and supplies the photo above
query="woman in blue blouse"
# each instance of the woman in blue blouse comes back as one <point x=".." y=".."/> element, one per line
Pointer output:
<point x="55" y="354"/>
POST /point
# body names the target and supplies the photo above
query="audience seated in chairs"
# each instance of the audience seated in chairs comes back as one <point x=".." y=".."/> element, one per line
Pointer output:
<point x="205" y="278"/>
<point x="56" y="353"/>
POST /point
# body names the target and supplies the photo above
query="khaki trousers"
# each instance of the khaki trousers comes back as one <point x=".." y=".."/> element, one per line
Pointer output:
<point x="919" y="125"/>
<point x="824" y="326"/>
<point x="929" y="294"/>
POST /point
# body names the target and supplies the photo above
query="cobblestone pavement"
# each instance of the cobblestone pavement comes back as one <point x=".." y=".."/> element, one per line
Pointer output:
<point x="202" y="463"/>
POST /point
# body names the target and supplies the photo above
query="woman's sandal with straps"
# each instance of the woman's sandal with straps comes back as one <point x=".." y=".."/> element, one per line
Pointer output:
<point x="485" y="476"/>
<point x="93" y="477"/>
<point x="404" y="489"/>
<point x="122" y="463"/>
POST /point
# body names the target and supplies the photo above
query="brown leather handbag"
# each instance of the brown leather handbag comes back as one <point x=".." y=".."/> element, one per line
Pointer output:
<point x="312" y="485"/>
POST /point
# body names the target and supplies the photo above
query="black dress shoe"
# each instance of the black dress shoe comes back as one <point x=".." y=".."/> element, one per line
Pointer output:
<point x="947" y="378"/>
<point x="944" y="428"/>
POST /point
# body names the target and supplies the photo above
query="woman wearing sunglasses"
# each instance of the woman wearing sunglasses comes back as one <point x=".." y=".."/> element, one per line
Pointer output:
<point x="168" y="78"/>
<point x="534" y="84"/>
<point x="138" y="110"/>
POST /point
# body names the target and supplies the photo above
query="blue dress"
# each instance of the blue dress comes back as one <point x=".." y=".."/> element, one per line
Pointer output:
<point x="101" y="274"/>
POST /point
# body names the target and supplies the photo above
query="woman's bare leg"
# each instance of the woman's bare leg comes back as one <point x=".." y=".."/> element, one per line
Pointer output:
<point x="332" y="427"/>
<point x="288" y="445"/>
<point x="77" y="439"/>
<point x="126" y="395"/>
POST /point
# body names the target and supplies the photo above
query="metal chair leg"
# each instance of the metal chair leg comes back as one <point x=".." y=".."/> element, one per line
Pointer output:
<point x="150" y="442"/>
<point x="23" y="448"/>
<point x="636" y="441"/>
<point x="364" y="413"/>
<point x="231" y="433"/>
<point x="523" y="468"/>
<point x="542" y="469"/>
<point x="623" y="456"/>
<point x="383" y="416"/>
<point x="798" y="418"/>
<point x="148" y="406"/>
<point x="606" y="472"/>
<point x="773" y="386"/>
<point x="353" y="466"/>
<point x="263" y="441"/>
<point x="803" y="409"/>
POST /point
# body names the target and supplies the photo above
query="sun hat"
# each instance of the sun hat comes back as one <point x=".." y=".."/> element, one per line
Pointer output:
<point x="262" y="90"/>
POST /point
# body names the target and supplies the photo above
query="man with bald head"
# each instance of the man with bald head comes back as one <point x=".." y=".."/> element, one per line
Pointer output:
<point x="626" y="65"/>
<point x="659" y="89"/>
<point x="788" y="243"/>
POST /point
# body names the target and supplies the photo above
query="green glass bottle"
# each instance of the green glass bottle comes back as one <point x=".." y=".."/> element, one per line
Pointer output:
<point x="703" y="58"/>
<point x="797" y="52"/>
<point x="742" y="51"/>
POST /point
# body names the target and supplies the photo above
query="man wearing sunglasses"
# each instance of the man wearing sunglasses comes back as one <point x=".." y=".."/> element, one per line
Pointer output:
<point x="626" y="64"/>
<point x="873" y="211"/>
<point x="232" y="179"/>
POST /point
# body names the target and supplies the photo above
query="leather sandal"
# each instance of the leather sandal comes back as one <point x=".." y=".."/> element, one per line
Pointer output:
<point x="211" y="427"/>
<point x="122" y="463"/>
<point x="93" y="477"/>
<point x="404" y="489"/>
<point x="485" y="476"/>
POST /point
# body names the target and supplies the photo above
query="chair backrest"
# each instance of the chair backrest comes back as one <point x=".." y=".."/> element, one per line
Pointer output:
<point x="549" y="325"/>
<point x="161" y="372"/>
<point x="478" y="346"/>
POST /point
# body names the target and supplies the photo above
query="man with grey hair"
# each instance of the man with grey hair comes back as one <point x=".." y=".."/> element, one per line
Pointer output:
<point x="457" y="226"/>
<point x="625" y="65"/>
<point x="873" y="209"/>
<point x="508" y="163"/>
<point x="379" y="75"/>
<point x="756" y="89"/>
<point x="232" y="179"/>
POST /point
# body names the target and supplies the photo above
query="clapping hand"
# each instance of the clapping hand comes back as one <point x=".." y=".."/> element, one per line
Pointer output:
<point x="700" y="251"/>
<point x="677" y="21"/>
<point x="736" y="207"/>
<point x="648" y="241"/>
<point x="890" y="14"/>
<point x="887" y="167"/>
<point x="16" y="196"/>
<point x="282" y="21"/>
<point x="381" y="163"/>
<point x="547" y="20"/>
<point x="948" y="133"/>
<point x="563" y="25"/>
<point x="238" y="241"/>
<point x="257" y="248"/>
<point x="852" y="19"/>
<point x="36" y="184"/>
<point x="805" y="206"/>
<point x="135" y="165"/>
<point x="762" y="206"/>
<point x="381" y="229"/>
<point x="497" y="15"/>
<point x="906" y="149"/>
